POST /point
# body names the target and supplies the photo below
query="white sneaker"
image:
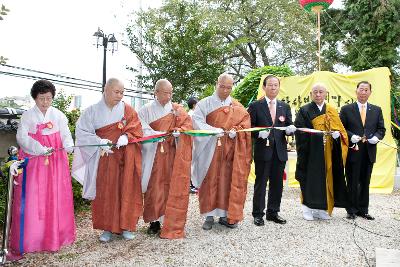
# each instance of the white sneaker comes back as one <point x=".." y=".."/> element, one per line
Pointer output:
<point x="105" y="236"/>
<point x="128" y="235"/>
<point x="307" y="213"/>
<point x="321" y="214"/>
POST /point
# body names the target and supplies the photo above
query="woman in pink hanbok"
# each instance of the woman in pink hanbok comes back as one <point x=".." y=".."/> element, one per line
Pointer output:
<point x="42" y="208"/>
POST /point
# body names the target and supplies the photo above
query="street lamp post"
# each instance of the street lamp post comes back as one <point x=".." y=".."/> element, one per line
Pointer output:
<point x="103" y="39"/>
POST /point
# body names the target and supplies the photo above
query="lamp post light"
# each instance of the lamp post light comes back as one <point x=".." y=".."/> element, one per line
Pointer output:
<point x="102" y="39"/>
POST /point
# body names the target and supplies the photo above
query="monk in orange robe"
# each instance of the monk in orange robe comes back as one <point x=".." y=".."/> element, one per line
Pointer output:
<point x="221" y="163"/>
<point x="166" y="164"/>
<point x="110" y="176"/>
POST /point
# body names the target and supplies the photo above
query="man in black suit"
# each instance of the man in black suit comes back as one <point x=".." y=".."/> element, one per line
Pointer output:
<point x="270" y="153"/>
<point x="365" y="127"/>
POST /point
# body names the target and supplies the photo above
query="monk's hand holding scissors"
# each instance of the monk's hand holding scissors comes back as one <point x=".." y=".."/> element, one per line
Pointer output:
<point x="219" y="132"/>
<point x="232" y="133"/>
<point x="106" y="146"/>
<point x="176" y="132"/>
<point x="122" y="141"/>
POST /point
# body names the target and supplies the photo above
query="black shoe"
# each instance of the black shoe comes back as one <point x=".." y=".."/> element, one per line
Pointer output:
<point x="275" y="218"/>
<point x="350" y="216"/>
<point x="223" y="221"/>
<point x="365" y="216"/>
<point x="154" y="228"/>
<point x="259" y="221"/>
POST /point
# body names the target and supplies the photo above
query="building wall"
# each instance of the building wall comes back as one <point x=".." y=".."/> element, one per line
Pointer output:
<point x="7" y="139"/>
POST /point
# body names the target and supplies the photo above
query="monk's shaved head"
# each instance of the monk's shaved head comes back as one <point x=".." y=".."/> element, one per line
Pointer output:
<point x="113" y="92"/>
<point x="113" y="82"/>
<point x="224" y="85"/>
<point x="318" y="93"/>
<point x="162" y="83"/>
<point x="225" y="77"/>
<point x="320" y="86"/>
<point x="163" y="91"/>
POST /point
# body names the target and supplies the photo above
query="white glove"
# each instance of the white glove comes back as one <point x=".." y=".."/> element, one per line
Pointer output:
<point x="263" y="134"/>
<point x="14" y="168"/>
<point x="176" y="134"/>
<point x="220" y="132"/>
<point x="355" y="139"/>
<point x="69" y="149"/>
<point x="335" y="134"/>
<point x="122" y="141"/>
<point x="158" y="132"/>
<point x="232" y="134"/>
<point x="290" y="129"/>
<point x="374" y="140"/>
<point x="106" y="149"/>
<point x="47" y="150"/>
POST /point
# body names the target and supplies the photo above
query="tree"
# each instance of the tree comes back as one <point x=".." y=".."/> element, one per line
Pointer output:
<point x="191" y="42"/>
<point x="265" y="33"/>
<point x="369" y="36"/>
<point x="3" y="12"/>
<point x="176" y="43"/>
<point x="247" y="90"/>
<point x="63" y="102"/>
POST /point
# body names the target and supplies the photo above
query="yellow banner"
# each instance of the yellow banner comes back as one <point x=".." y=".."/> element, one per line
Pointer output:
<point x="295" y="91"/>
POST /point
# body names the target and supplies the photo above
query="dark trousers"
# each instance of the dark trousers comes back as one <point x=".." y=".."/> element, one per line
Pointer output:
<point x="271" y="170"/>
<point x="358" y="178"/>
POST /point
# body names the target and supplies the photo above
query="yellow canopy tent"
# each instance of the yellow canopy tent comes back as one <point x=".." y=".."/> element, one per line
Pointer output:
<point x="295" y="91"/>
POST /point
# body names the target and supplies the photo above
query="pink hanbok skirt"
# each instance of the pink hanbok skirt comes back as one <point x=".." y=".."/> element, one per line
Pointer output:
<point x="48" y="217"/>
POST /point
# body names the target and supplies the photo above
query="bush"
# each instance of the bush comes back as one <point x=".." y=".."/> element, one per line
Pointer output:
<point x="3" y="195"/>
<point x="246" y="91"/>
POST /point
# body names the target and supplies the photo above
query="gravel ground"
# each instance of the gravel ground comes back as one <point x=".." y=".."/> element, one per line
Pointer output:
<point x="298" y="243"/>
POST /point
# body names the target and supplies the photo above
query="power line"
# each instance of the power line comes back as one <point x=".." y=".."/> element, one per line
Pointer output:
<point x="92" y="87"/>
<point x="48" y="73"/>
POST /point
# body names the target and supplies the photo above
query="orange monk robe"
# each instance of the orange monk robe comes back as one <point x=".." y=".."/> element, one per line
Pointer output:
<point x="118" y="203"/>
<point x="225" y="184"/>
<point x="168" y="189"/>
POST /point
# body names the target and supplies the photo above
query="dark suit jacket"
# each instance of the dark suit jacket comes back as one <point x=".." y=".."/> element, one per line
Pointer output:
<point x="374" y="126"/>
<point x="261" y="117"/>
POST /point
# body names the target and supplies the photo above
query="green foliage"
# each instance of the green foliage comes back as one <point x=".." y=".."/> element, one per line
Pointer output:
<point x="369" y="37"/>
<point x="175" y="43"/>
<point x="62" y="102"/>
<point x="207" y="91"/>
<point x="3" y="195"/>
<point x="3" y="12"/>
<point x="79" y="202"/>
<point x="247" y="90"/>
<point x="192" y="42"/>
<point x="3" y="60"/>
<point x="264" y="33"/>
<point x="9" y="103"/>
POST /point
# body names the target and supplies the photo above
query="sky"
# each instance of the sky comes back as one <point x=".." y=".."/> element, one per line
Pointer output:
<point x="56" y="36"/>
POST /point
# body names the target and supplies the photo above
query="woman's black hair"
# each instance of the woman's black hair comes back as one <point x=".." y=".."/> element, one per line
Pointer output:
<point x="42" y="87"/>
<point x="191" y="102"/>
